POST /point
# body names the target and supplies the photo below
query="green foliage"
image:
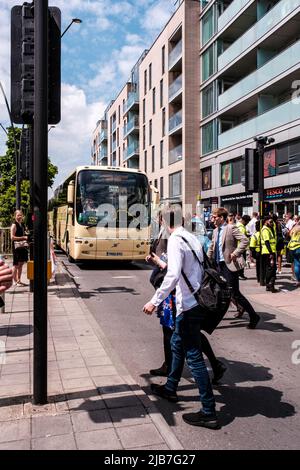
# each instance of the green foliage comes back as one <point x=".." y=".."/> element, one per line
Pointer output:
<point x="8" y="181"/>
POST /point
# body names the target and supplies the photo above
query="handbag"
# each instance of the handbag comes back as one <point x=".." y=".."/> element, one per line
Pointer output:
<point x="21" y="244"/>
<point x="213" y="296"/>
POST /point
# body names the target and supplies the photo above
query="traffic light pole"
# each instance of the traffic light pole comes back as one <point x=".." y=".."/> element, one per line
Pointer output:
<point x="40" y="199"/>
<point x="261" y="190"/>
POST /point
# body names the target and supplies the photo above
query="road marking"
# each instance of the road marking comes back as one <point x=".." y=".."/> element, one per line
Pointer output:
<point x="123" y="277"/>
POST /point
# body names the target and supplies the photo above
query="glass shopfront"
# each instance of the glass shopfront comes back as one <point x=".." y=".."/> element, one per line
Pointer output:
<point x="238" y="203"/>
<point x="283" y="199"/>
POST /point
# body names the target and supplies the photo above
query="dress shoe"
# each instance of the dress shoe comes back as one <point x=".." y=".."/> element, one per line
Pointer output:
<point x="201" y="419"/>
<point x="253" y="323"/>
<point x="163" y="392"/>
<point x="219" y="371"/>
<point x="243" y="277"/>
<point x="161" y="372"/>
<point x="272" y="289"/>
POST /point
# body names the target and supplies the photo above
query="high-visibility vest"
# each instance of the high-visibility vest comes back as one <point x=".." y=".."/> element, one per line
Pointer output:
<point x="294" y="243"/>
<point x="255" y="242"/>
<point x="267" y="234"/>
<point x="242" y="229"/>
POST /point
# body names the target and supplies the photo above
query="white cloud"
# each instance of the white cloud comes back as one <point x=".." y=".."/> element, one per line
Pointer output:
<point x="157" y="15"/>
<point x="70" y="142"/>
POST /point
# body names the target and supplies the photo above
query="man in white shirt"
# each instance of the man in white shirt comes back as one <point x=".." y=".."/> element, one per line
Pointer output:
<point x="251" y="226"/>
<point x="186" y="342"/>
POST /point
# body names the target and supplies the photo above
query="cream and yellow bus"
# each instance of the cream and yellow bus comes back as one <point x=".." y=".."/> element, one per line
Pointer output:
<point x="102" y="213"/>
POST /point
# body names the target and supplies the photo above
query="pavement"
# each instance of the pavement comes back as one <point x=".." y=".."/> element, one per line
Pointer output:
<point x="93" y="402"/>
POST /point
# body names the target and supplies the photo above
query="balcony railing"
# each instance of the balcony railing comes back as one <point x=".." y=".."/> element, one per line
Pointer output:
<point x="131" y="150"/>
<point x="103" y="135"/>
<point x="103" y="153"/>
<point x="114" y="126"/>
<point x="133" y="98"/>
<point x="131" y="125"/>
<point x="175" y="121"/>
<point x="175" y="54"/>
<point x="268" y="22"/>
<point x="175" y="87"/>
<point x="284" y="61"/>
<point x="264" y="123"/>
<point x="175" y="155"/>
<point x="231" y="11"/>
<point x="114" y="146"/>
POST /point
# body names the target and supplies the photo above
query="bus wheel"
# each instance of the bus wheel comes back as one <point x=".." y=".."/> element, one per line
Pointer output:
<point x="70" y="259"/>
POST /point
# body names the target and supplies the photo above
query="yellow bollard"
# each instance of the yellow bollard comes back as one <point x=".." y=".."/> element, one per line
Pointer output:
<point x="30" y="270"/>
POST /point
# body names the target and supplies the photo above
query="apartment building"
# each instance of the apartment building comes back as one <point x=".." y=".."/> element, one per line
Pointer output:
<point x="99" y="148"/>
<point x="153" y="124"/>
<point x="250" y="61"/>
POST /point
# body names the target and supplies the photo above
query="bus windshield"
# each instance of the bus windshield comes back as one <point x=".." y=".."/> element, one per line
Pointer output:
<point x="104" y="194"/>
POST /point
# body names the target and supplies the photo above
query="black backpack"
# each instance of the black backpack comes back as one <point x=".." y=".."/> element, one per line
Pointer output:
<point x="214" y="294"/>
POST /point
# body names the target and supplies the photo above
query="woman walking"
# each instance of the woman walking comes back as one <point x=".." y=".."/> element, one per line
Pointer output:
<point x="20" y="245"/>
<point x="294" y="247"/>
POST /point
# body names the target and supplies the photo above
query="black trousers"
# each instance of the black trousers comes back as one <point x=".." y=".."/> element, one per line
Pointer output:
<point x="269" y="269"/>
<point x="232" y="278"/>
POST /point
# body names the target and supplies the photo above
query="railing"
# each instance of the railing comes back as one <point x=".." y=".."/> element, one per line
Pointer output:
<point x="175" y="87"/>
<point x="132" y="99"/>
<point x="264" y="123"/>
<point x="132" y="149"/>
<point x="132" y="124"/>
<point x="273" y="68"/>
<point x="114" y="146"/>
<point x="103" y="153"/>
<point x="175" y="155"/>
<point x="114" y="126"/>
<point x="280" y="11"/>
<point x="175" y="120"/>
<point x="175" y="54"/>
<point x="5" y="241"/>
<point x="231" y="11"/>
<point x="103" y="135"/>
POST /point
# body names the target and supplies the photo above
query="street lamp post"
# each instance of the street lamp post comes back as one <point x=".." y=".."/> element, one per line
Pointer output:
<point x="261" y="143"/>
<point x="2" y="127"/>
<point x="74" y="20"/>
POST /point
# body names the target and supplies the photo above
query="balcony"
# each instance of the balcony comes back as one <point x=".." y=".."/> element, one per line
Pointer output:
<point x="266" y="24"/>
<point x="113" y="126"/>
<point x="231" y="12"/>
<point x="264" y="123"/>
<point x="283" y="62"/>
<point x="175" y="122"/>
<point x="132" y="101"/>
<point x="114" y="146"/>
<point x="103" y="153"/>
<point x="103" y="135"/>
<point x="131" y="151"/>
<point x="175" y="155"/>
<point x="131" y="127"/>
<point x="175" y="89"/>
<point x="175" y="55"/>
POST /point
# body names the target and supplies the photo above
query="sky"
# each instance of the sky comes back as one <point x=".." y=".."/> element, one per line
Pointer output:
<point x="97" y="57"/>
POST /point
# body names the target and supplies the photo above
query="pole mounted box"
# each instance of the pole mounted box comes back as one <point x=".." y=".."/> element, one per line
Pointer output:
<point x="251" y="170"/>
<point x="26" y="154"/>
<point x="22" y="64"/>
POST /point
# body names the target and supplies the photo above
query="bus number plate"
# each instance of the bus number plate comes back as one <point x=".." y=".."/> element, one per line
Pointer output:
<point x="113" y="253"/>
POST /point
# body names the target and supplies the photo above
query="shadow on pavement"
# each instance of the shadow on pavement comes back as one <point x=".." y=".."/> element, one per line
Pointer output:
<point x="15" y="331"/>
<point x="113" y="266"/>
<point x="265" y="323"/>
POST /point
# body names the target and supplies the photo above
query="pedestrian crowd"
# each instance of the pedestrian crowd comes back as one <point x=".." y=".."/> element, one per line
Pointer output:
<point x="178" y="258"/>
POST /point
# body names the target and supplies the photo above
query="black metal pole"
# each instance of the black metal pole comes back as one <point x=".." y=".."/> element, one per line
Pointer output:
<point x="40" y="199"/>
<point x="31" y="177"/>
<point x="260" y="151"/>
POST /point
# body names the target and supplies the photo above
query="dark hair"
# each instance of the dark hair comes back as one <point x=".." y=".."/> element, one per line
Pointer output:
<point x="246" y="218"/>
<point x="257" y="226"/>
<point x="268" y="217"/>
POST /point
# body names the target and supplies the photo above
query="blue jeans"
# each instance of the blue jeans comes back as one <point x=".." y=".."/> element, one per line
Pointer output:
<point x="296" y="256"/>
<point x="186" y="343"/>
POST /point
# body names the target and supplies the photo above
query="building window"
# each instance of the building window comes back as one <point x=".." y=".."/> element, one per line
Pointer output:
<point x="209" y="100"/>
<point x="161" y="88"/>
<point x="145" y="82"/>
<point x="144" y="111"/>
<point x="175" y="184"/>
<point x="155" y="184"/>
<point x="145" y="161"/>
<point x="209" y="137"/>
<point x="206" y="179"/>
<point x="163" y="122"/>
<point x="153" y="100"/>
<point x="119" y="156"/>
<point x="232" y="172"/>
<point x="208" y="25"/>
<point x="153" y="159"/>
<point x="161" y="156"/>
<point x="150" y="76"/>
<point x="119" y="115"/>
<point x="208" y="62"/>
<point x="163" y="59"/>
<point x="161" y="187"/>
<point x="150" y="132"/>
<point x="144" y="137"/>
<point x="117" y="137"/>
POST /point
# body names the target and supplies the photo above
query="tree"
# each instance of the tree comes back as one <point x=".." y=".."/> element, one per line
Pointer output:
<point x="8" y="181"/>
